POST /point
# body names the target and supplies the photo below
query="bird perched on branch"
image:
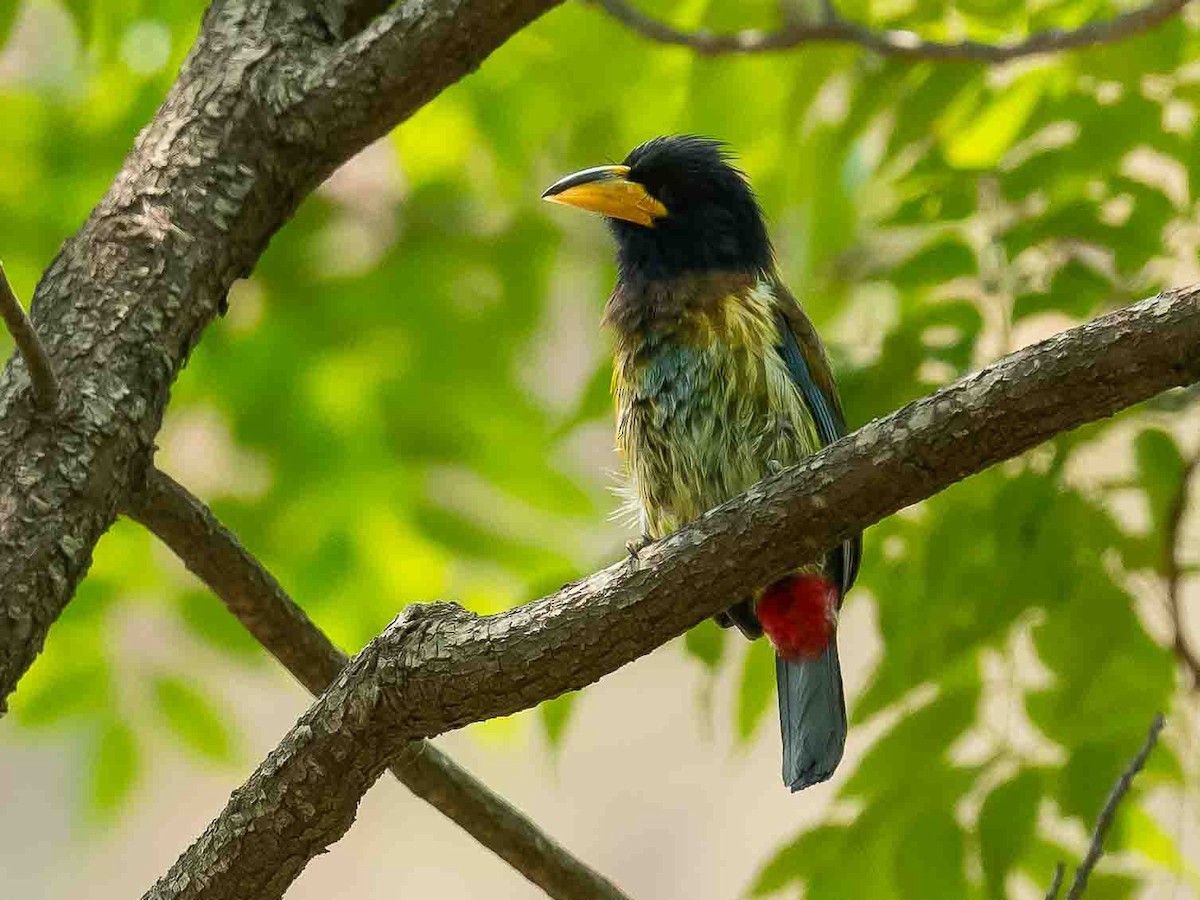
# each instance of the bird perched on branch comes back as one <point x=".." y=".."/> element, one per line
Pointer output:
<point x="719" y="380"/>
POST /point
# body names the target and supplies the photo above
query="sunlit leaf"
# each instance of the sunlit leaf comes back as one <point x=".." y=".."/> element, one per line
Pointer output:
<point x="1007" y="823"/>
<point x="56" y="690"/>
<point x="209" y="620"/>
<point x="115" y="765"/>
<point x="930" y="858"/>
<point x="1076" y="290"/>
<point x="192" y="718"/>
<point x="937" y="264"/>
<point x="918" y="744"/>
<point x="757" y="688"/>
<point x="8" y="18"/>
<point x="556" y="715"/>
<point x="1160" y="474"/>
<point x="706" y="642"/>
<point x="981" y="141"/>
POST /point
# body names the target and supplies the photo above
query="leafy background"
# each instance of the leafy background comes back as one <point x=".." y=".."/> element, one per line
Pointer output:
<point x="408" y="400"/>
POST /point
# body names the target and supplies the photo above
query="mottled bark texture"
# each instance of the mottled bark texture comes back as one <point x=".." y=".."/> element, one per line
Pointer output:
<point x="269" y="101"/>
<point x="439" y="667"/>
<point x="216" y="556"/>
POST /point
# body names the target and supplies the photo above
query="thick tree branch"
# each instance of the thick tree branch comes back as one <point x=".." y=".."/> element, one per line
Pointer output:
<point x="216" y="556"/>
<point x="1104" y="822"/>
<point x="1173" y="574"/>
<point x="41" y="373"/>
<point x="832" y="28"/>
<point x="267" y="104"/>
<point x="438" y="667"/>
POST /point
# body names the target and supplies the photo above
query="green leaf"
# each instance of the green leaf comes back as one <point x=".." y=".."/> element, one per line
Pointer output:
<point x="114" y="768"/>
<point x="793" y="860"/>
<point x="931" y="858"/>
<point x="57" y="689"/>
<point x="556" y="715"/>
<point x="928" y="96"/>
<point x="1007" y="823"/>
<point x="84" y="16"/>
<point x="1110" y="678"/>
<point x="192" y="718"/>
<point x="992" y="11"/>
<point x="706" y="642"/>
<point x="948" y="258"/>
<point x="1145" y="836"/>
<point x="595" y="401"/>
<point x="1076" y="289"/>
<point x="980" y="141"/>
<point x="757" y="687"/>
<point x="918" y="744"/>
<point x="1160" y="468"/>
<point x="8" y="18"/>
<point x="208" y="618"/>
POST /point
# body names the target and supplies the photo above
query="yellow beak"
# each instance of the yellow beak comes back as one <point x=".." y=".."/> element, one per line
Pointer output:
<point x="608" y="191"/>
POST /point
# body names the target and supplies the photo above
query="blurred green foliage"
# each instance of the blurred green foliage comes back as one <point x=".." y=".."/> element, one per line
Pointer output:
<point x="408" y="399"/>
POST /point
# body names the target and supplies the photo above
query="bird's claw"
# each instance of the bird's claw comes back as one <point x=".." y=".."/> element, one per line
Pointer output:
<point x="635" y="547"/>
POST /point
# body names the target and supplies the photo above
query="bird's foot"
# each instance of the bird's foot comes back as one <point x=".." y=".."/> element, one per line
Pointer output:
<point x="635" y="547"/>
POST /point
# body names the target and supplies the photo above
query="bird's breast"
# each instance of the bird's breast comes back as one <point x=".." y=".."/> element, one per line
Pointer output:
<point x="706" y="408"/>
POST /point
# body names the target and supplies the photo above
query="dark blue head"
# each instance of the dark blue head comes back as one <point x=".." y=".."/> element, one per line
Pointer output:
<point x="676" y="206"/>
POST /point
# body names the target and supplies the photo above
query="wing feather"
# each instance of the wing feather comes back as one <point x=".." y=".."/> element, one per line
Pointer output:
<point x="807" y="363"/>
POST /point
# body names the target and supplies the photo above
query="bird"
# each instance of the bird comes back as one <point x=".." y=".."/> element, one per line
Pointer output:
<point x="720" y="380"/>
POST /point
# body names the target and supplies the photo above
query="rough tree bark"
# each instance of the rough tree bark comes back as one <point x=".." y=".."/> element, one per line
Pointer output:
<point x="269" y="101"/>
<point x="249" y="591"/>
<point x="439" y="667"/>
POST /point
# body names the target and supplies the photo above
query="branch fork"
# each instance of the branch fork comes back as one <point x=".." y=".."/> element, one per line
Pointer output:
<point x="29" y="345"/>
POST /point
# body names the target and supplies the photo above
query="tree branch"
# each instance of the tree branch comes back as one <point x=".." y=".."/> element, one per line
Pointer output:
<point x="438" y="667"/>
<point x="1173" y="573"/>
<point x="899" y="44"/>
<point x="266" y="105"/>
<point x="1056" y="882"/>
<point x="249" y="591"/>
<point x="1104" y="822"/>
<point x="41" y="373"/>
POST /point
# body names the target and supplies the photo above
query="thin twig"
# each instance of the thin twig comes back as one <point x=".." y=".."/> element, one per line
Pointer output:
<point x="252" y="594"/>
<point x="1104" y="822"/>
<point x="893" y="43"/>
<point x="1173" y="573"/>
<point x="41" y="373"/>
<point x="1052" y="894"/>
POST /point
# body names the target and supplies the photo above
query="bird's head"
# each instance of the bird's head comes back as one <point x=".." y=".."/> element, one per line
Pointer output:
<point x="677" y="206"/>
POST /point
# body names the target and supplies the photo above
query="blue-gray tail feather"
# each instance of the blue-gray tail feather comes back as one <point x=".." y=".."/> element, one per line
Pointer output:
<point x="812" y="717"/>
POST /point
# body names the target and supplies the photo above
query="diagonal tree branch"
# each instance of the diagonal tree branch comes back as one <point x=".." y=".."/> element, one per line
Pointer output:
<point x="268" y="102"/>
<point x="41" y="373"/>
<point x="832" y="28"/>
<point x="438" y="667"/>
<point x="215" y="555"/>
<point x="1104" y="822"/>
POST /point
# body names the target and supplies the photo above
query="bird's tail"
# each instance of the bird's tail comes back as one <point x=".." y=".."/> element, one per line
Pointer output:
<point x="812" y="716"/>
<point x="799" y="615"/>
